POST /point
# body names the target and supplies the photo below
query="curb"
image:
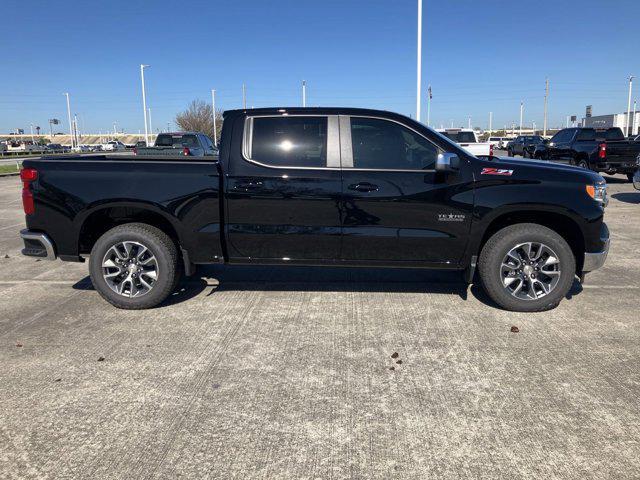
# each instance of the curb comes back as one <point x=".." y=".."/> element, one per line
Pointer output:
<point x="9" y="174"/>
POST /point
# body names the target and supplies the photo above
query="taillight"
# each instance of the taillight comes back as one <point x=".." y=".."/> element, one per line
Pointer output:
<point x="491" y="149"/>
<point x="28" y="175"/>
<point x="185" y="151"/>
<point x="602" y="150"/>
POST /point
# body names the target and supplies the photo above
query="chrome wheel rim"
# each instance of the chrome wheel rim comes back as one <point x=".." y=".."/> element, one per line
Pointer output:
<point x="530" y="271"/>
<point x="130" y="269"/>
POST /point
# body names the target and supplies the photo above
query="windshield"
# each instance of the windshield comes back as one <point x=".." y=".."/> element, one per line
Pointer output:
<point x="177" y="141"/>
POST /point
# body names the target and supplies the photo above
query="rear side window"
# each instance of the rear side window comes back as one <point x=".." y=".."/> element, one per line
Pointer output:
<point x="290" y="141"/>
<point x="384" y="145"/>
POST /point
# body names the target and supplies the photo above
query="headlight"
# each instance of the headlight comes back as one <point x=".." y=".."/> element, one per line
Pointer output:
<point x="598" y="192"/>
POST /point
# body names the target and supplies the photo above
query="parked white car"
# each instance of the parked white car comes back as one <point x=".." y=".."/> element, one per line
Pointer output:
<point x="113" y="145"/>
<point x="468" y="139"/>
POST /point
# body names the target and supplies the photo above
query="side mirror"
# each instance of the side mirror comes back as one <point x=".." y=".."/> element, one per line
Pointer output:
<point x="447" y="162"/>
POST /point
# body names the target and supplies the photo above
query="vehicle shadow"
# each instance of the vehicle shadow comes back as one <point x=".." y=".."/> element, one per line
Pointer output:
<point x="627" y="197"/>
<point x="187" y="289"/>
<point x="220" y="278"/>
<point x="609" y="179"/>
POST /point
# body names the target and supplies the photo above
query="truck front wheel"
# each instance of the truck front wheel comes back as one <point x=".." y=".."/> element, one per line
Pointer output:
<point x="527" y="268"/>
<point x="134" y="266"/>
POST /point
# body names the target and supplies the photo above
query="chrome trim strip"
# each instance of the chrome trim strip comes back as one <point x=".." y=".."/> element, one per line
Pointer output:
<point x="346" y="152"/>
<point x="43" y="239"/>
<point x="333" y="142"/>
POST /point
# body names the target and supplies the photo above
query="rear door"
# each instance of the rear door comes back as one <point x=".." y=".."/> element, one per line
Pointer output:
<point x="397" y="208"/>
<point x="283" y="189"/>
<point x="560" y="146"/>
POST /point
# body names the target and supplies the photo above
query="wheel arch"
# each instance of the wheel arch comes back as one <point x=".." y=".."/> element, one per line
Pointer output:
<point x="103" y="218"/>
<point x="564" y="225"/>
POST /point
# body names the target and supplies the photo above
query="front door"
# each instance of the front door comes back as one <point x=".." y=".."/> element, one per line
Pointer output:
<point x="396" y="207"/>
<point x="283" y="190"/>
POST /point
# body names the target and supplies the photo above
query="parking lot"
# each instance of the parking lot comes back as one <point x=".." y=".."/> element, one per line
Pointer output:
<point x="291" y="372"/>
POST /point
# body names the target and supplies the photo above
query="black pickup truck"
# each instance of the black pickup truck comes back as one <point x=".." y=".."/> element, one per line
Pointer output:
<point x="319" y="186"/>
<point x="600" y="150"/>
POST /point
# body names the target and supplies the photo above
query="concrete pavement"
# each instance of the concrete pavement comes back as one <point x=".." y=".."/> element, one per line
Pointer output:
<point x="288" y="373"/>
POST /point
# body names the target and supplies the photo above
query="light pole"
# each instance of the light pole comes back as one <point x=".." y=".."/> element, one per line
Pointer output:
<point x="546" y="96"/>
<point x="629" y="104"/>
<point x="213" y="110"/>
<point x="419" y="59"/>
<point x="144" y="104"/>
<point x="150" y="124"/>
<point x="32" y="139"/>
<point x="304" y="93"/>
<point x="490" y="122"/>
<point x="244" y="96"/>
<point x="469" y="122"/>
<point x="633" y="121"/>
<point x="115" y="131"/>
<point x="69" y="117"/>
<point x="521" y="113"/>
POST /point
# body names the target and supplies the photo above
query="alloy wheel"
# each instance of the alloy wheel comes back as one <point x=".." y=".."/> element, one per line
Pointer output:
<point x="530" y="271"/>
<point x="130" y="269"/>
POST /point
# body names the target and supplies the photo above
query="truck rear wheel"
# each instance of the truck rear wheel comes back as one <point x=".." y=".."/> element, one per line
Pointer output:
<point x="527" y="268"/>
<point x="134" y="266"/>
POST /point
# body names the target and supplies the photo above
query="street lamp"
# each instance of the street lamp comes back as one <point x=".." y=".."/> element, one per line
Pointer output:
<point x="144" y="104"/>
<point x="629" y="105"/>
<point x="419" y="61"/>
<point x="69" y="116"/>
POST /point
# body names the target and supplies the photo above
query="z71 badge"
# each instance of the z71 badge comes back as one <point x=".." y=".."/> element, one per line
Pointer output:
<point x="496" y="171"/>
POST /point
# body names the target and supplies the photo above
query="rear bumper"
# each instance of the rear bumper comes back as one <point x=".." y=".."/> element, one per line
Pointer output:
<point x="37" y="244"/>
<point x="595" y="260"/>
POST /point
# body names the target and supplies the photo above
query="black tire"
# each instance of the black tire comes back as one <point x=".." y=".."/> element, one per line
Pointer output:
<point x="630" y="177"/>
<point x="583" y="163"/>
<point x="159" y="245"/>
<point x="496" y="249"/>
<point x="510" y="152"/>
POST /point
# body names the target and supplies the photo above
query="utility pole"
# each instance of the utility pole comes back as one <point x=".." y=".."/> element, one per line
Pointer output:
<point x="490" y="122"/>
<point x="629" y="105"/>
<point x="419" y="73"/>
<point x="546" y="96"/>
<point x="521" y="113"/>
<point x="144" y="104"/>
<point x="75" y="129"/>
<point x="69" y="117"/>
<point x="304" y="93"/>
<point x="213" y="108"/>
<point x="244" y="96"/>
<point x="150" y="125"/>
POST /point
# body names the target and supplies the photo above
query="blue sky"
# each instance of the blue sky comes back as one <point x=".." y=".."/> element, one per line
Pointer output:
<point x="479" y="56"/>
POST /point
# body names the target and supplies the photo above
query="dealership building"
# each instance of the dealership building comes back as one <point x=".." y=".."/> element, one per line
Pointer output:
<point x="614" y="120"/>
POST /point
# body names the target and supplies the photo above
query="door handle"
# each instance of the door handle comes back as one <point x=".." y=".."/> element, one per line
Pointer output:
<point x="364" y="187"/>
<point x="248" y="186"/>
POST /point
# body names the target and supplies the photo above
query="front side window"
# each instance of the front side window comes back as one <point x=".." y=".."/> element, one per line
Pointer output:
<point x="381" y="144"/>
<point x="290" y="141"/>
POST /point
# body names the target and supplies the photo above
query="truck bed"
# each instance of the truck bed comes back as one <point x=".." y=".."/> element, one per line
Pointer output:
<point x="77" y="193"/>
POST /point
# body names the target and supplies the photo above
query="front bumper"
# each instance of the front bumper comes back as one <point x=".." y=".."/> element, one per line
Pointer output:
<point x="37" y="244"/>
<point x="593" y="261"/>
